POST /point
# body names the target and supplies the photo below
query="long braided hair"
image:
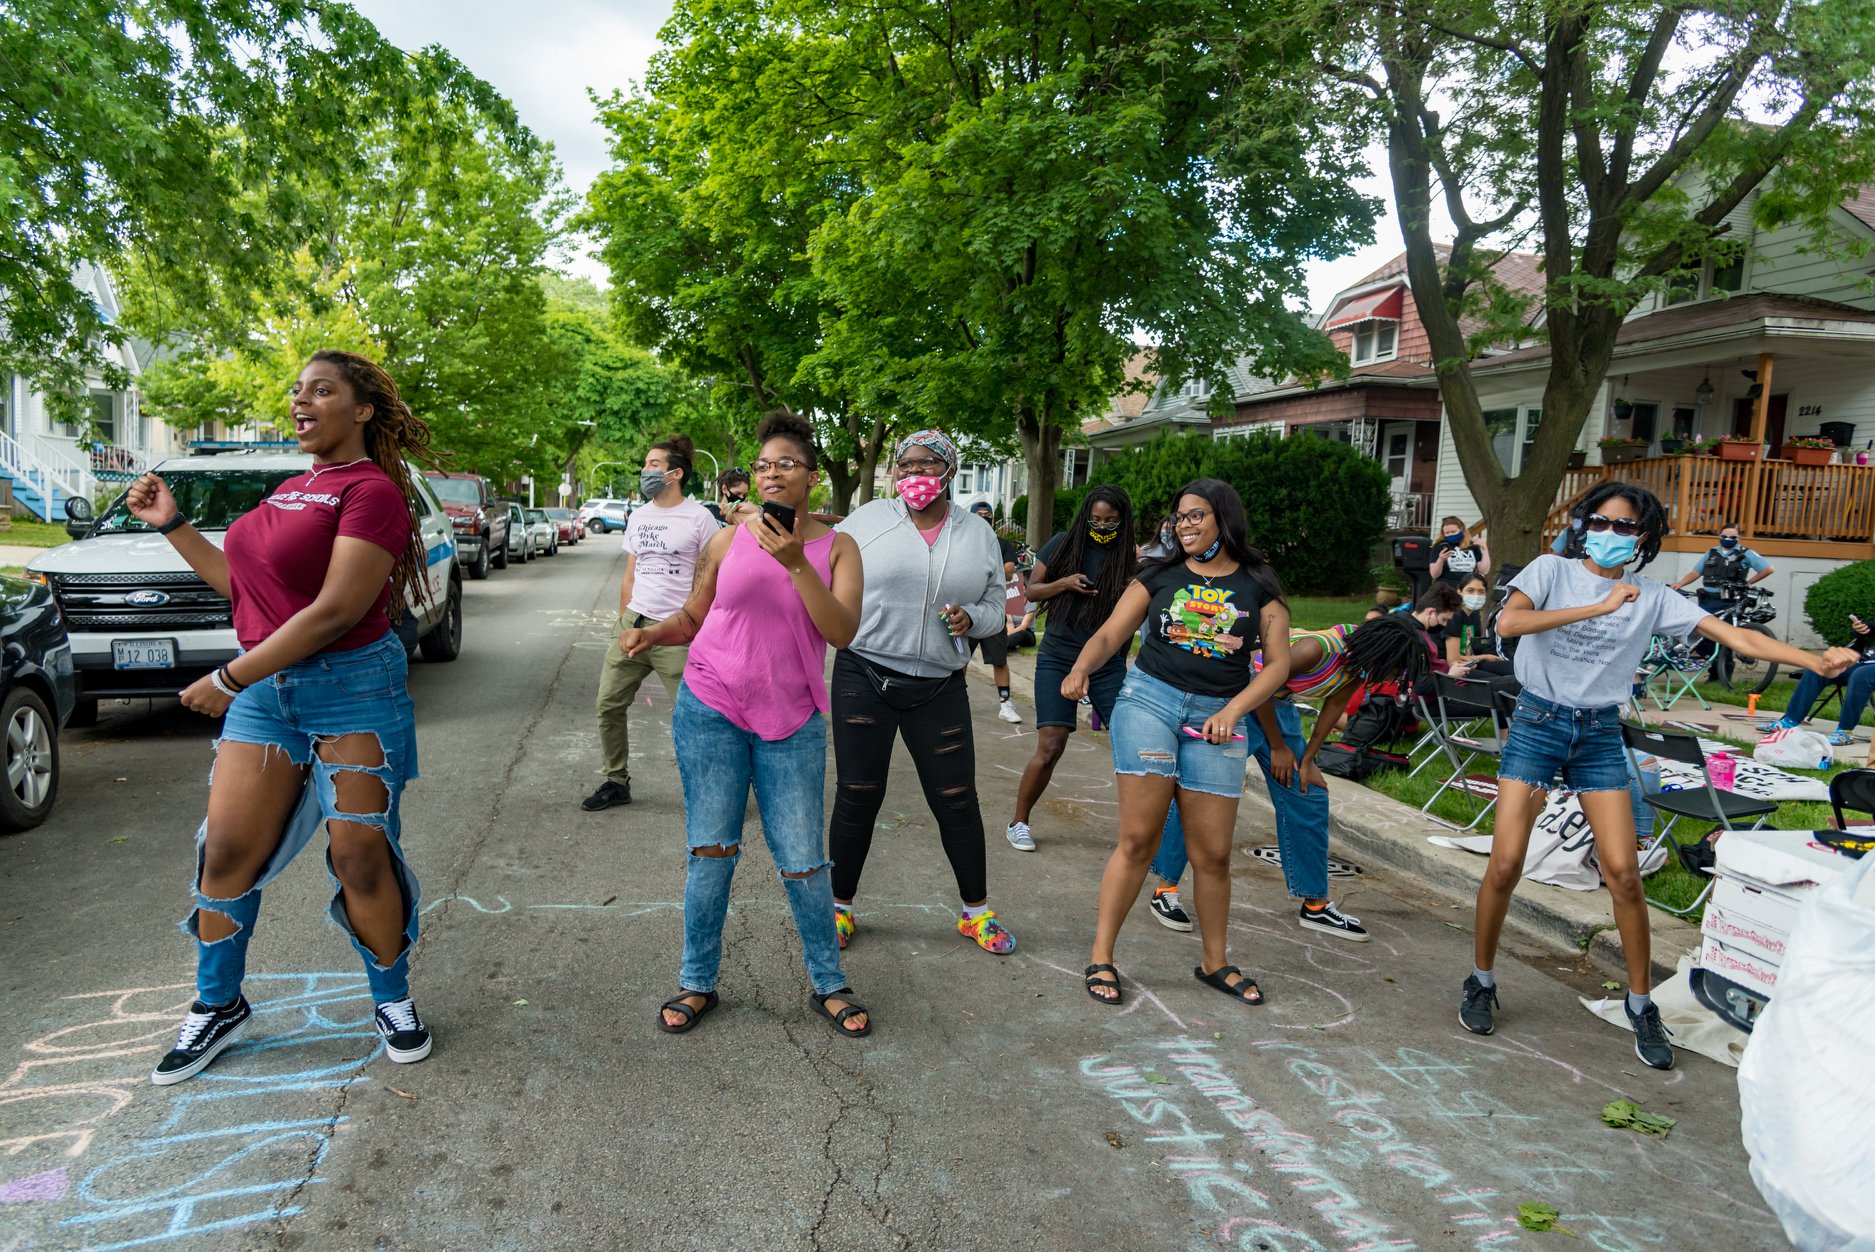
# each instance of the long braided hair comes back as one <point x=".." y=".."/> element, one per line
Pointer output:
<point x="393" y="433"/>
<point x="1115" y="572"/>
<point x="1389" y="649"/>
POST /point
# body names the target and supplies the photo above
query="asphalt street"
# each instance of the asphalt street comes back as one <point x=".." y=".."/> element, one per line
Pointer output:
<point x="995" y="1105"/>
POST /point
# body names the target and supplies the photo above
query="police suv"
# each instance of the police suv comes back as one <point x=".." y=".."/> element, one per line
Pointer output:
<point x="143" y="624"/>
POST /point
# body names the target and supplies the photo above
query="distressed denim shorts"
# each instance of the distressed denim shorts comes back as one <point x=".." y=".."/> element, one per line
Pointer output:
<point x="1582" y="746"/>
<point x="1148" y="736"/>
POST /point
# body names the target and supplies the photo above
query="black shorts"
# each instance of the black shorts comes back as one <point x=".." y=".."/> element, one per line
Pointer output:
<point x="995" y="649"/>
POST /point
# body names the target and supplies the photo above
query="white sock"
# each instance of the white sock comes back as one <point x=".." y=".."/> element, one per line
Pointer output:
<point x="1638" y="1002"/>
<point x="1484" y="976"/>
<point x="974" y="911"/>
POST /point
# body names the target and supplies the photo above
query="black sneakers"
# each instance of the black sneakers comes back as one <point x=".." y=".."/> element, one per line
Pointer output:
<point x="1650" y="1037"/>
<point x="1166" y="908"/>
<point x="202" y="1036"/>
<point x="609" y="794"/>
<point x="1475" y="1013"/>
<point x="1333" y="921"/>
<point x="406" y="1038"/>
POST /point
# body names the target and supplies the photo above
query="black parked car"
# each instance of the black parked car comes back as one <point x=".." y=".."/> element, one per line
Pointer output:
<point x="40" y="692"/>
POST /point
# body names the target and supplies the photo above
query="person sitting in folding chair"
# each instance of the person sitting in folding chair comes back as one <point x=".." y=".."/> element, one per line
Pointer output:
<point x="1584" y="626"/>
<point x="1857" y="686"/>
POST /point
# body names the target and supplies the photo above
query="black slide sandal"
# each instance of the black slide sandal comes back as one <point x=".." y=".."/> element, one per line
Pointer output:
<point x="838" y="1020"/>
<point x="1245" y="990"/>
<point x="1090" y="982"/>
<point x="692" y="1014"/>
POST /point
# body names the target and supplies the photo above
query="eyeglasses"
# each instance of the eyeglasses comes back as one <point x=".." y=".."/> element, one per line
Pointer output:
<point x="1195" y="517"/>
<point x="1105" y="528"/>
<point x="786" y="464"/>
<point x="923" y="465"/>
<point x="1623" y="526"/>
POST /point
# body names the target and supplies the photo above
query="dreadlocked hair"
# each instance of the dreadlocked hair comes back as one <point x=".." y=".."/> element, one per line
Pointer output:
<point x="1227" y="507"/>
<point x="1115" y="572"/>
<point x="1389" y="649"/>
<point x="392" y="434"/>
<point x="1647" y="509"/>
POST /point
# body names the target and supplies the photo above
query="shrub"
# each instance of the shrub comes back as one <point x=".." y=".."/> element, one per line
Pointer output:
<point x="1833" y="597"/>
<point x="1315" y="506"/>
<point x="1067" y="500"/>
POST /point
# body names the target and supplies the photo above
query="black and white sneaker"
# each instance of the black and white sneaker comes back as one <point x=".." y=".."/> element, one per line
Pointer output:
<point x="1166" y="908"/>
<point x="1332" y="920"/>
<point x="406" y="1038"/>
<point x="1650" y="1037"/>
<point x="1475" y="1013"/>
<point x="200" y="1039"/>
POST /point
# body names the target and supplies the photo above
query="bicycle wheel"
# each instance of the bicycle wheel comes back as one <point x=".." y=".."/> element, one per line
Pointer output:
<point x="1746" y="674"/>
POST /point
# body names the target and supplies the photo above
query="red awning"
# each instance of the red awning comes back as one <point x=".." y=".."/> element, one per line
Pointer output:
<point x="1385" y="303"/>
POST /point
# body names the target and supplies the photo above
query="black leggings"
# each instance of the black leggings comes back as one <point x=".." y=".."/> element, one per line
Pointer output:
<point x="938" y="736"/>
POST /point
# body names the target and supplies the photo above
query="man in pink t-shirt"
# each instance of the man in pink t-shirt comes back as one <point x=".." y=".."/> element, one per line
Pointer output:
<point x="663" y="539"/>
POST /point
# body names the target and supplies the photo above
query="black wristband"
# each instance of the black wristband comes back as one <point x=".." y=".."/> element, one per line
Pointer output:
<point x="231" y="680"/>
<point x="178" y="520"/>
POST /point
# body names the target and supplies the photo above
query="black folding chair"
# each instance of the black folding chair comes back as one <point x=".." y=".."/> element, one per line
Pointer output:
<point x="1853" y="789"/>
<point x="1466" y="724"/>
<point x="1832" y="691"/>
<point x="1706" y="803"/>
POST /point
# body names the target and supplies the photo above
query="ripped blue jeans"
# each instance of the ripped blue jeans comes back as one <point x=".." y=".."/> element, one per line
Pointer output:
<point x="719" y="762"/>
<point x="308" y="704"/>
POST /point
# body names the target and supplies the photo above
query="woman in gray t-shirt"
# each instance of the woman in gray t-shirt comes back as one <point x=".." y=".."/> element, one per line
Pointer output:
<point x="1584" y="626"/>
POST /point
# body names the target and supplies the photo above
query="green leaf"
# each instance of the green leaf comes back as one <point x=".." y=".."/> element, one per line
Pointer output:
<point x="1628" y="1115"/>
<point x="1158" y="1078"/>
<point x="1532" y="1215"/>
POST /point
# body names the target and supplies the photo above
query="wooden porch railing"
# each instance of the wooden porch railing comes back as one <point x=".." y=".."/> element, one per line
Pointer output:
<point x="1768" y="499"/>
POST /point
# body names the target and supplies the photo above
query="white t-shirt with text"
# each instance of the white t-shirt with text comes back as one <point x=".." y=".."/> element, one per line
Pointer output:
<point x="1590" y="664"/>
<point x="666" y="544"/>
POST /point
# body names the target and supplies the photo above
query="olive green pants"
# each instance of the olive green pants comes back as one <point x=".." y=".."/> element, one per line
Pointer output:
<point x="618" y="687"/>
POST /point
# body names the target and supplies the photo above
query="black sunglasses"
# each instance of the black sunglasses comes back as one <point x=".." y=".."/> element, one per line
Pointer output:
<point x="1623" y="526"/>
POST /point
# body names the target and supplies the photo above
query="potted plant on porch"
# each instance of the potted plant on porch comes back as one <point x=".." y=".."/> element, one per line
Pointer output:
<point x="1619" y="448"/>
<point x="1739" y="448"/>
<point x="1390" y="585"/>
<point x="1808" y="450"/>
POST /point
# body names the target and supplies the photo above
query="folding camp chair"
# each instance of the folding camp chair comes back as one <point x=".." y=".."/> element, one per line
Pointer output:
<point x="1832" y="692"/>
<point x="1855" y="789"/>
<point x="1706" y="803"/>
<point x="1466" y="715"/>
<point x="1669" y="671"/>
<point x="1466" y="724"/>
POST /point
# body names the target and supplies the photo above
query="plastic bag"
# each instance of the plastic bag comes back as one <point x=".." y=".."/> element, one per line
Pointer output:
<point x="1797" y="749"/>
<point x="1806" y="1090"/>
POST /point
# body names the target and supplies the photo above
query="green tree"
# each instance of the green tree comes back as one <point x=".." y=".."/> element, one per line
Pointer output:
<point x="1616" y="138"/>
<point x="189" y="137"/>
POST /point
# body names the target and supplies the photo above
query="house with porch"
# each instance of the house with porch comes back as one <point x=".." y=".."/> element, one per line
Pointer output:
<point x="48" y="458"/>
<point x="1775" y="344"/>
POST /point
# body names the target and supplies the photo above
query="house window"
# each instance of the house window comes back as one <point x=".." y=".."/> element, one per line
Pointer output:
<point x="1681" y="288"/>
<point x="1195" y="389"/>
<point x="1643" y="422"/>
<point x="1399" y="450"/>
<point x="1501" y="424"/>
<point x="1376" y="341"/>
<point x="1532" y="418"/>
<point x="1728" y="276"/>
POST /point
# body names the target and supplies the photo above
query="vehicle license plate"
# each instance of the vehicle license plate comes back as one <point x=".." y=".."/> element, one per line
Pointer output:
<point x="143" y="653"/>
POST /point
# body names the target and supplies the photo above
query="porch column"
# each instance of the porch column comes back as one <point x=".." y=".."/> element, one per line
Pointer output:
<point x="1754" y="473"/>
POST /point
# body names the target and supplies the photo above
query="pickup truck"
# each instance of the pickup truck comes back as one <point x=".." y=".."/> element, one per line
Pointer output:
<point x="143" y="624"/>
<point x="480" y="521"/>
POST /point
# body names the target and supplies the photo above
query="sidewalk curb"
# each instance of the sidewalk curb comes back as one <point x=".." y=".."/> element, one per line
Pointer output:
<point x="1374" y="828"/>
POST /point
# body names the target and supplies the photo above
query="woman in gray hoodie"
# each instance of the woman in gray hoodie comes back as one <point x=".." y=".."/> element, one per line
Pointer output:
<point x="934" y="578"/>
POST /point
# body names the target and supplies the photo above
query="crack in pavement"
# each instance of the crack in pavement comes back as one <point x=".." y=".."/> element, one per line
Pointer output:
<point x="320" y="1149"/>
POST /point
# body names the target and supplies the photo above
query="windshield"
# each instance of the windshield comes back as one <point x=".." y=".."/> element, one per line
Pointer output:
<point x="560" y="515"/>
<point x="536" y="515"/>
<point x="210" y="499"/>
<point x="456" y="490"/>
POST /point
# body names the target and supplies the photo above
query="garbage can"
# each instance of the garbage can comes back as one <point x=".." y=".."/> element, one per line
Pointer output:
<point x="1412" y="555"/>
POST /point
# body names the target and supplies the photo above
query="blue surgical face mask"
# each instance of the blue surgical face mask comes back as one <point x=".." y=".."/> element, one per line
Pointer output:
<point x="1455" y="540"/>
<point x="1725" y="541"/>
<point x="1609" y="550"/>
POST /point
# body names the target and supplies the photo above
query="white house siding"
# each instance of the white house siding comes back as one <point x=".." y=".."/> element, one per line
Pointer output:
<point x="1524" y="390"/>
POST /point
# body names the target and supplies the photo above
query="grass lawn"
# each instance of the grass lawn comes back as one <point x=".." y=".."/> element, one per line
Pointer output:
<point x="26" y="533"/>
<point x="1321" y="612"/>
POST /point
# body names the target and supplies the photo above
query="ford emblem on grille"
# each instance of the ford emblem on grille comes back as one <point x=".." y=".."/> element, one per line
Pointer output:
<point x="147" y="599"/>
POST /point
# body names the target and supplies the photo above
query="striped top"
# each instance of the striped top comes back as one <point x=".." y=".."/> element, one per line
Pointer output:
<point x="1329" y="675"/>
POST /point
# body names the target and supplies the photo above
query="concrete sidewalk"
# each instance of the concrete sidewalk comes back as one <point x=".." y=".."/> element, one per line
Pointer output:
<point x="1374" y="828"/>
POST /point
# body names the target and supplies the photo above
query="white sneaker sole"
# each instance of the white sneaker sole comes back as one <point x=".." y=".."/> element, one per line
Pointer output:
<point x="1352" y="936"/>
<point x="1027" y="845"/>
<point x="1169" y="924"/>
<point x="201" y="1062"/>
<point x="407" y="1056"/>
<point x="1010" y="715"/>
<point x="1466" y="1025"/>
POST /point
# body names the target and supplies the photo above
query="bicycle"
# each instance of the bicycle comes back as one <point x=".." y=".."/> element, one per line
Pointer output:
<point x="1748" y="608"/>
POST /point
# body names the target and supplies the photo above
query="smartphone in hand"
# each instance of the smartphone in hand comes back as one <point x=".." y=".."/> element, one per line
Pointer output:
<point x="782" y="513"/>
<point x="1194" y="733"/>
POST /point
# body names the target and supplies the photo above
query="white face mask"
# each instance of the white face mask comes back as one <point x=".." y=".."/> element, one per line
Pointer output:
<point x="1473" y="603"/>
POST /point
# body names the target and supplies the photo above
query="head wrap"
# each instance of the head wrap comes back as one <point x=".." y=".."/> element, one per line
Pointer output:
<point x="981" y="506"/>
<point x="933" y="441"/>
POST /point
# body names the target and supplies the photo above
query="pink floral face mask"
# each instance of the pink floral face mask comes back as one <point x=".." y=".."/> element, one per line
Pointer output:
<point x="919" y="490"/>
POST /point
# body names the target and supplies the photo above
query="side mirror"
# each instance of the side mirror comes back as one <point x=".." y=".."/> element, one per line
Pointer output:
<point x="78" y="516"/>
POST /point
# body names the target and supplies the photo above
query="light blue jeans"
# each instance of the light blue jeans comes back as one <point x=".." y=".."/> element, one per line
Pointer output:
<point x="719" y="762"/>
<point x="1301" y="820"/>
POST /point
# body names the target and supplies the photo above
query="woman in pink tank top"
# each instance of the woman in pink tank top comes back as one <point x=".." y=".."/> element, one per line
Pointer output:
<point x="750" y="713"/>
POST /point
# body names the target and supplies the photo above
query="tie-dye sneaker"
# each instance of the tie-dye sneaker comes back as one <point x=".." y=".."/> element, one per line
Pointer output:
<point x="843" y="925"/>
<point x="988" y="932"/>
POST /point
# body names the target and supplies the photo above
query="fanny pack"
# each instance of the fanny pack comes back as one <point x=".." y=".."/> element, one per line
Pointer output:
<point x="901" y="692"/>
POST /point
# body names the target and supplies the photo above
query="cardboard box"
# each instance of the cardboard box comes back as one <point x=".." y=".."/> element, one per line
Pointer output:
<point x="1753" y="973"/>
<point x="1784" y="859"/>
<point x="1738" y="928"/>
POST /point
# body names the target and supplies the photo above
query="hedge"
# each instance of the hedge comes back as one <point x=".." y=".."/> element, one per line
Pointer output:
<point x="1833" y="597"/>
<point x="1067" y="500"/>
<point x="1315" y="506"/>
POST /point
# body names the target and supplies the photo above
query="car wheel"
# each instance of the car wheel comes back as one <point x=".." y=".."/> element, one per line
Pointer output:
<point x="595" y="527"/>
<point x="501" y="556"/>
<point x="553" y="549"/>
<point x="32" y="761"/>
<point x="479" y="570"/>
<point x="445" y="642"/>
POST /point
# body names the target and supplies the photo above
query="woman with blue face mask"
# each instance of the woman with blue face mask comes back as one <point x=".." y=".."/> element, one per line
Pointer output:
<point x="1458" y="556"/>
<point x="1584" y="626"/>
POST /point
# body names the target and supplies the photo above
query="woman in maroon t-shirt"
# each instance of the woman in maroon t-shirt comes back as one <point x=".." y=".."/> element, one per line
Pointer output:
<point x="318" y="726"/>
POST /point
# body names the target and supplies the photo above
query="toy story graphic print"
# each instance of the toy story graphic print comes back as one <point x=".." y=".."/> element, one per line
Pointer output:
<point x="1199" y="621"/>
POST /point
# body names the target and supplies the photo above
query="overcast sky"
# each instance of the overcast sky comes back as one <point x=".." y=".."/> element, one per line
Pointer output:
<point x="545" y="54"/>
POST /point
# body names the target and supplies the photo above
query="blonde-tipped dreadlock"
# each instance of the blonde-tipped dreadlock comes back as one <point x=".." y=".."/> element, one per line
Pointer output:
<point x="393" y="433"/>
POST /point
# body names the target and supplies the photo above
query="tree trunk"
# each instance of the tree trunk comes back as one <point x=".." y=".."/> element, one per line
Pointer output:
<point x="840" y="483"/>
<point x="870" y="450"/>
<point x="1041" y="452"/>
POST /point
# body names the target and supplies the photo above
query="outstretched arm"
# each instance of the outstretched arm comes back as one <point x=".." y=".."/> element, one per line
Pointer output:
<point x="683" y="625"/>
<point x="1828" y="663"/>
